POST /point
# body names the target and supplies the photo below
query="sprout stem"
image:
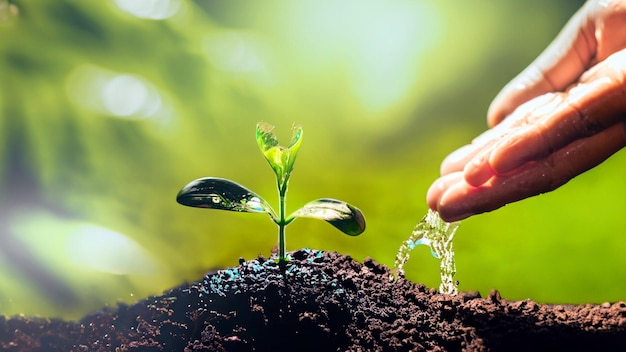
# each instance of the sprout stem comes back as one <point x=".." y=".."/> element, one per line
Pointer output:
<point x="282" y="191"/>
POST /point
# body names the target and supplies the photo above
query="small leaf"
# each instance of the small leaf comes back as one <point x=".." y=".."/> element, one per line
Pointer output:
<point x="220" y="193"/>
<point x="280" y="158"/>
<point x="264" y="136"/>
<point x="294" y="146"/>
<point x="347" y="218"/>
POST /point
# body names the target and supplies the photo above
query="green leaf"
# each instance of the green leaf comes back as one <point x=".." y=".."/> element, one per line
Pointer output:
<point x="223" y="194"/>
<point x="294" y="146"/>
<point x="280" y="158"/>
<point x="347" y="218"/>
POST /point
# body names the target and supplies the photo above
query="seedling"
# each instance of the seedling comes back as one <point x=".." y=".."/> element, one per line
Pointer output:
<point x="219" y="193"/>
<point x="437" y="234"/>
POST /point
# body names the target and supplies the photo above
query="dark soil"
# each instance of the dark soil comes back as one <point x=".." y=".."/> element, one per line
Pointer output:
<point x="322" y="301"/>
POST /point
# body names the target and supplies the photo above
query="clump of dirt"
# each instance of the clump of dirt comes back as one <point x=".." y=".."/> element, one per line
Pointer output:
<point x="322" y="301"/>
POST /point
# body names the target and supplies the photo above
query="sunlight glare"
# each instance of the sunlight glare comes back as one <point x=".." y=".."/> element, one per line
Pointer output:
<point x="391" y="45"/>
<point x="150" y="9"/>
<point x="379" y="44"/>
<point x="100" y="249"/>
<point x="121" y="95"/>
<point x="68" y="245"/>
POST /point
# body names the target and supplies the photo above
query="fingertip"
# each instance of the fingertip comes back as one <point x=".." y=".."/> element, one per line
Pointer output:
<point x="447" y="196"/>
<point x="478" y="171"/>
<point x="434" y="194"/>
<point x="509" y="157"/>
<point x="456" y="160"/>
<point x="529" y="84"/>
<point x="453" y="205"/>
<point x="453" y="217"/>
<point x="495" y="114"/>
<point x="508" y="99"/>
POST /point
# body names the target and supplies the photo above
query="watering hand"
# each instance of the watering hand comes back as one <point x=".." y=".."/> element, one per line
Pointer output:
<point x="563" y="115"/>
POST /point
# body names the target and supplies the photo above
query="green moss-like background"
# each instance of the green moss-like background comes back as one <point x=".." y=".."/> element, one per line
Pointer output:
<point x="106" y="114"/>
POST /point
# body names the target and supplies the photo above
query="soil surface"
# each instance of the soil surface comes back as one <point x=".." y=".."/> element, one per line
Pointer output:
<point x="322" y="301"/>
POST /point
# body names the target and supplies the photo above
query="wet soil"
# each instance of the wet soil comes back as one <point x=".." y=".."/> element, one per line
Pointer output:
<point x="322" y="301"/>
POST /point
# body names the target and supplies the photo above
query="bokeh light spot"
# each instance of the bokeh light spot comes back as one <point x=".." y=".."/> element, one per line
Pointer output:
<point x="120" y="95"/>
<point x="388" y="60"/>
<point x="126" y="95"/>
<point x="380" y="44"/>
<point x="100" y="249"/>
<point x="150" y="9"/>
<point x="73" y="244"/>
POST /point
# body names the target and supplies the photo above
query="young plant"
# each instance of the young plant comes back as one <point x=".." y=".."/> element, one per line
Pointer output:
<point x="219" y="193"/>
<point x="437" y="234"/>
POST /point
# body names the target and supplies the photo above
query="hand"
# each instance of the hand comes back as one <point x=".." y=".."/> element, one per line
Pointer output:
<point x="563" y="115"/>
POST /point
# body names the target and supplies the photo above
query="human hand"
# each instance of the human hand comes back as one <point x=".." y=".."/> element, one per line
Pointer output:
<point x="563" y="115"/>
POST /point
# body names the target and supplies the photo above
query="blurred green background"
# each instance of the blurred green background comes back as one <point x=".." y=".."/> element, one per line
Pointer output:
<point x="109" y="107"/>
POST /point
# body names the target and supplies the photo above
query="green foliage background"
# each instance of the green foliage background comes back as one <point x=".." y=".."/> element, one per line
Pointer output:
<point x="384" y="91"/>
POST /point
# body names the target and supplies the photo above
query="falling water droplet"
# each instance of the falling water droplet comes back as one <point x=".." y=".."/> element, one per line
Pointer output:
<point x="437" y="234"/>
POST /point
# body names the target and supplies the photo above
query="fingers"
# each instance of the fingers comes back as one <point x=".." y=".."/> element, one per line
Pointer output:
<point x="457" y="160"/>
<point x="591" y="35"/>
<point x="610" y="19"/>
<point x="479" y="169"/>
<point x="565" y="59"/>
<point x="550" y="122"/>
<point x="443" y="185"/>
<point x="584" y="154"/>
<point x="587" y="109"/>
<point x="551" y="132"/>
<point x="455" y="199"/>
